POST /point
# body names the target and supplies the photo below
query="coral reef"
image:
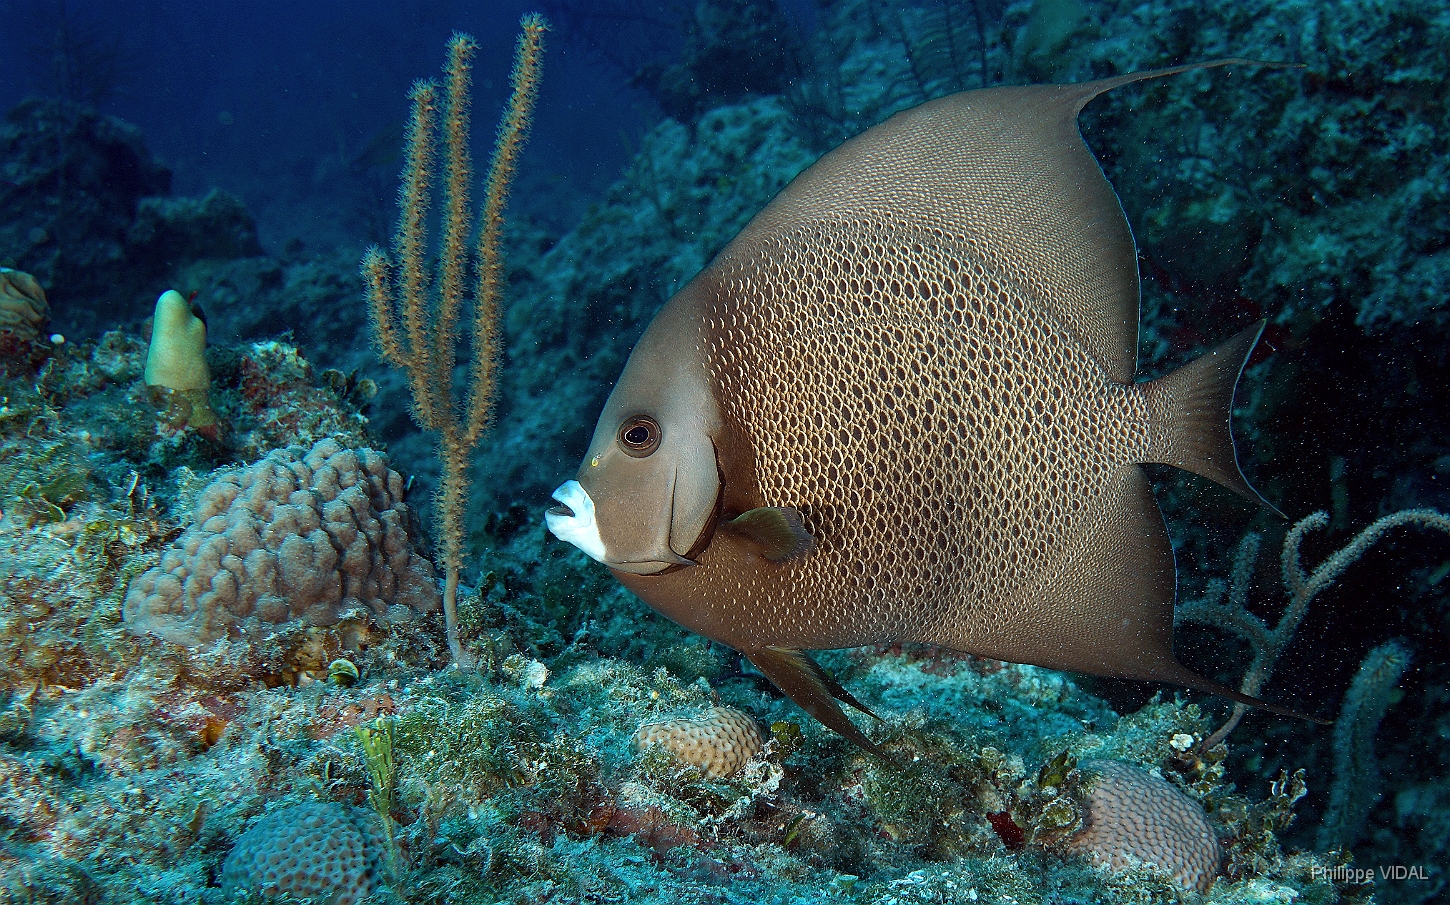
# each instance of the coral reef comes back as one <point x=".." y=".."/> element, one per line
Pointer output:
<point x="734" y="49"/>
<point x="92" y="488"/>
<point x="316" y="536"/>
<point x="86" y="209"/>
<point x="72" y="182"/>
<point x="131" y="769"/>
<point x="216" y="226"/>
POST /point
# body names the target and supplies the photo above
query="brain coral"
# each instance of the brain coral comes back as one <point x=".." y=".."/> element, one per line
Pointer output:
<point x="1133" y="816"/>
<point x="720" y="742"/>
<point x="300" y="535"/>
<point x="317" y="850"/>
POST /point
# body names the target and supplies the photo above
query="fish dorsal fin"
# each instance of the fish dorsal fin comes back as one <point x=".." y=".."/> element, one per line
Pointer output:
<point x="778" y="530"/>
<point x="1006" y="169"/>
<point x="813" y="689"/>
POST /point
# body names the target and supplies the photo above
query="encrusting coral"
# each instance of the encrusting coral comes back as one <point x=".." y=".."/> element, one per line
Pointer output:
<point x="176" y="368"/>
<point x="23" y="308"/>
<point x="719" y="742"/>
<point x="300" y="535"/>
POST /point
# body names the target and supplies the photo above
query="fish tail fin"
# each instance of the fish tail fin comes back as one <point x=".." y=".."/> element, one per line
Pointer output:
<point x="1192" y="409"/>
<point x="813" y="689"/>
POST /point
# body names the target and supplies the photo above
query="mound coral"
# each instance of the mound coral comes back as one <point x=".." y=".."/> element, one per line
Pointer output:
<point x="300" y="535"/>
<point x="719" y="742"/>
<point x="1135" y="817"/>
<point x="311" y="850"/>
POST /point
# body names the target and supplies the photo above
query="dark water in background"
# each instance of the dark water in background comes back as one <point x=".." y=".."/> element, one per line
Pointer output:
<point x="285" y="103"/>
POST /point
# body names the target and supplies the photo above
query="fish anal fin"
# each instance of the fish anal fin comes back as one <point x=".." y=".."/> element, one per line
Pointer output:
<point x="1106" y="607"/>
<point x="813" y="689"/>
<point x="1190" y="679"/>
<point x="779" y="531"/>
<point x="1191" y="409"/>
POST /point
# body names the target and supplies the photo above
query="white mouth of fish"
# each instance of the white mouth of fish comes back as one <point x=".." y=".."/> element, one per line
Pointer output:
<point x="573" y="520"/>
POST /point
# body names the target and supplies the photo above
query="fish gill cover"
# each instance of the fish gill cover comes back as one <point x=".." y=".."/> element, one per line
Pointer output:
<point x="136" y="768"/>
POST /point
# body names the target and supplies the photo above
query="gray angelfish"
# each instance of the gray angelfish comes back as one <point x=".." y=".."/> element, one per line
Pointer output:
<point x="900" y="406"/>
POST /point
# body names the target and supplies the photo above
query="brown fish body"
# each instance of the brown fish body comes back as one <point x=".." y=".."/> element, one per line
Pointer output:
<point x="919" y="446"/>
<point x="899" y="406"/>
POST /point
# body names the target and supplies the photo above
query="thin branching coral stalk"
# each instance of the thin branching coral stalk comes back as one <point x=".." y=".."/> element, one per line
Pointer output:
<point x="416" y="328"/>
<point x="1268" y="644"/>
<point x="1356" y="784"/>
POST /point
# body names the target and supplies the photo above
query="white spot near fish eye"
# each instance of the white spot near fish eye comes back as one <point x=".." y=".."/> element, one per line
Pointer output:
<point x="578" y="526"/>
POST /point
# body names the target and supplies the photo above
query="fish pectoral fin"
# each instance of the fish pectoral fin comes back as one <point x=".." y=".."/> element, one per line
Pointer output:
<point x="778" y="530"/>
<point x="813" y="689"/>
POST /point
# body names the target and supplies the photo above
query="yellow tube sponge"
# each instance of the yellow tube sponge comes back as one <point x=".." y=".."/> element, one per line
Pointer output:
<point x="176" y="360"/>
<point x="177" y="357"/>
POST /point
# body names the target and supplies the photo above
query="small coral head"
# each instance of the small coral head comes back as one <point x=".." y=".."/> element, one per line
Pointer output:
<point x="177" y="356"/>
<point x="1136" y="817"/>
<point x="719" y="742"/>
<point x="23" y="308"/>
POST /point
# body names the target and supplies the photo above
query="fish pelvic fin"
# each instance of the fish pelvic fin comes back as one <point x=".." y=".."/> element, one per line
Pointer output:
<point x="1191" y="410"/>
<point x="814" y="691"/>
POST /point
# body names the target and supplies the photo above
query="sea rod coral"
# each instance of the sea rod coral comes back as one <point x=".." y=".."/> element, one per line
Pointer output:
<point x="423" y="343"/>
<point x="1268" y="644"/>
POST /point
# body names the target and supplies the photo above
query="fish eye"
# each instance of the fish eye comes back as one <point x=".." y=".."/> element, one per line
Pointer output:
<point x="639" y="436"/>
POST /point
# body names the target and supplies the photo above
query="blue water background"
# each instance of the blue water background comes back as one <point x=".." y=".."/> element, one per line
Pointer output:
<point x="272" y="100"/>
